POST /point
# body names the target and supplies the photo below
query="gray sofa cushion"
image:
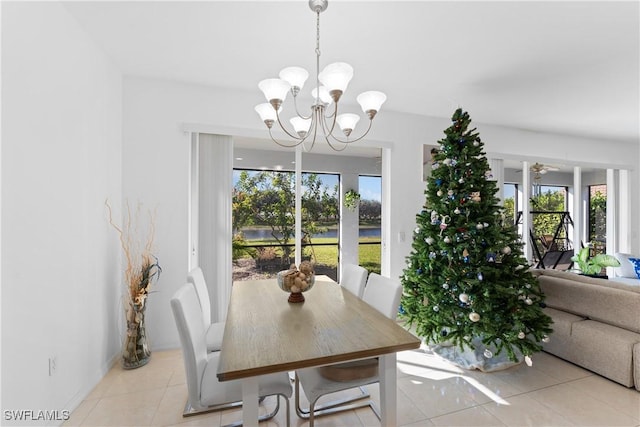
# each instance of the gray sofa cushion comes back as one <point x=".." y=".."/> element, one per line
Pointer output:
<point x="605" y="349"/>
<point x="598" y="299"/>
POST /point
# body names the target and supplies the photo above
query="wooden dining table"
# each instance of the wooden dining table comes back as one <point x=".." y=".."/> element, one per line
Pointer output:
<point x="264" y="334"/>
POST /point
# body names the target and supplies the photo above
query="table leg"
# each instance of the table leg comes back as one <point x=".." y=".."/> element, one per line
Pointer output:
<point x="250" y="402"/>
<point x="388" y="390"/>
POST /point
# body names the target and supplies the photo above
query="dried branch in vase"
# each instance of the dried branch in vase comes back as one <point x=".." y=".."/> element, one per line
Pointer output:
<point x="142" y="270"/>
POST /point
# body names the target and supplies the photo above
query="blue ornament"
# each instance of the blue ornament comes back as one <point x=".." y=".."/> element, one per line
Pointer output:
<point x="439" y="181"/>
<point x="480" y="277"/>
<point x="466" y="259"/>
<point x="491" y="257"/>
<point x="419" y="271"/>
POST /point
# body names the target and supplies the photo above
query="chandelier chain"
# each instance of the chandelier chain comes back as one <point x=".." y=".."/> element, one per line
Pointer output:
<point x="318" y="55"/>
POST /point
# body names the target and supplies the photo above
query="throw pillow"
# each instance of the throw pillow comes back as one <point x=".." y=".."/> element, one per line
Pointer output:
<point x="636" y="265"/>
<point x="626" y="268"/>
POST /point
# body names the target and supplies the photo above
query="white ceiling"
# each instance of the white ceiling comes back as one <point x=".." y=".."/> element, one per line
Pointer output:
<point x="563" y="67"/>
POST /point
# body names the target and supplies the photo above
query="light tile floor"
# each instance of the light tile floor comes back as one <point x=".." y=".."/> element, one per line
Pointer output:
<point x="431" y="392"/>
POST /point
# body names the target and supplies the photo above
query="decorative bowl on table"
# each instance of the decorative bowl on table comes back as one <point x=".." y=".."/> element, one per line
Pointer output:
<point x="297" y="280"/>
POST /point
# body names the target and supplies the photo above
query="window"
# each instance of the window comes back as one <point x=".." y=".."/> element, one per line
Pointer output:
<point x="370" y="212"/>
<point x="263" y="218"/>
<point x="598" y="217"/>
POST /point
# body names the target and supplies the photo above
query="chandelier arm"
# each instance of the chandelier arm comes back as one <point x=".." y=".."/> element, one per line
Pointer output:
<point x="325" y="129"/>
<point x="295" y="104"/>
<point x="297" y="138"/>
<point x="282" y="144"/>
<point x="328" y="136"/>
<point x="314" y="125"/>
<point x="334" y="148"/>
<point x="334" y="113"/>
<point x="350" y="141"/>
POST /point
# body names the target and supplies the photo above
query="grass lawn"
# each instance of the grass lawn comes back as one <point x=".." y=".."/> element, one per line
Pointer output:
<point x="370" y="256"/>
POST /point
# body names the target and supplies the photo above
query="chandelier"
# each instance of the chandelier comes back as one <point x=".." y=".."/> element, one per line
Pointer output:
<point x="330" y="85"/>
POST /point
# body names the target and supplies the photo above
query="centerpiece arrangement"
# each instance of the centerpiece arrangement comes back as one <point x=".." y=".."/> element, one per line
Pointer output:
<point x="297" y="280"/>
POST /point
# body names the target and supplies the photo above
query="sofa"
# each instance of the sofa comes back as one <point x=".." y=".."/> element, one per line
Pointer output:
<point x="596" y="323"/>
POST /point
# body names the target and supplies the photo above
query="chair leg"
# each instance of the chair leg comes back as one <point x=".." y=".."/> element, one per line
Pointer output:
<point x="190" y="411"/>
<point x="332" y="407"/>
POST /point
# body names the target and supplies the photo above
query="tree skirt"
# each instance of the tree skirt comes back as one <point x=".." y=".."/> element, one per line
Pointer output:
<point x="483" y="358"/>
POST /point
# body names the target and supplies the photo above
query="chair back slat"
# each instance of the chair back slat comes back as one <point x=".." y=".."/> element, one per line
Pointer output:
<point x="354" y="279"/>
<point x="383" y="294"/>
<point x="188" y="316"/>
<point x="196" y="277"/>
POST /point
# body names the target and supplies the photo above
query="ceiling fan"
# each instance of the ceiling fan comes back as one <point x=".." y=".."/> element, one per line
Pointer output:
<point x="539" y="169"/>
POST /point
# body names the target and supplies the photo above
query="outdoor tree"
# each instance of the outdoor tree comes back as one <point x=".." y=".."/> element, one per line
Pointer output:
<point x="467" y="287"/>
<point x="267" y="198"/>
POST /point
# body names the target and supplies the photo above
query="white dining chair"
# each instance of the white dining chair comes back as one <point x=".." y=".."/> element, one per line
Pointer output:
<point x="215" y="330"/>
<point x="353" y="278"/>
<point x="383" y="294"/>
<point x="205" y="392"/>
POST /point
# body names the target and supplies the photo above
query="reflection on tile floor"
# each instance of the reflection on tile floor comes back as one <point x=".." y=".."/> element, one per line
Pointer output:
<point x="431" y="392"/>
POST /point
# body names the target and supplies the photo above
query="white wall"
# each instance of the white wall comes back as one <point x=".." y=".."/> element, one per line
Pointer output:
<point x="61" y="158"/>
<point x="154" y="111"/>
<point x="74" y="134"/>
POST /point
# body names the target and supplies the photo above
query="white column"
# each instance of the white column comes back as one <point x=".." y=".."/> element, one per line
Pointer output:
<point x="577" y="210"/>
<point x="526" y="209"/>
<point x="298" y="205"/>
<point x="612" y="211"/>
<point x="215" y="234"/>
<point x="349" y="222"/>
<point x="624" y="212"/>
<point x="385" y="234"/>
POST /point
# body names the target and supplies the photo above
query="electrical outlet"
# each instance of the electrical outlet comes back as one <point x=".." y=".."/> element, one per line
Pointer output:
<point x="52" y="365"/>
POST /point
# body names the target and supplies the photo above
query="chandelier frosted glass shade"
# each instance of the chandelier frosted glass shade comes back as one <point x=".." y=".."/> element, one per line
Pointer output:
<point x="295" y="76"/>
<point x="300" y="125"/>
<point x="267" y="113"/>
<point x="330" y="86"/>
<point x="324" y="97"/>
<point x="347" y="122"/>
<point x="371" y="101"/>
<point x="336" y="77"/>
<point x="274" y="90"/>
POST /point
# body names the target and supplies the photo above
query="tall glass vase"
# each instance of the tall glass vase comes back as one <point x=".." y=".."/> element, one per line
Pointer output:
<point x="135" y="350"/>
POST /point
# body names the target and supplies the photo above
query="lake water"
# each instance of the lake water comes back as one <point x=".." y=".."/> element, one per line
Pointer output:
<point x="258" y="234"/>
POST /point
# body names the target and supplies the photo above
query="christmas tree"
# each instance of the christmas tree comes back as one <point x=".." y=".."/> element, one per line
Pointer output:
<point x="467" y="283"/>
